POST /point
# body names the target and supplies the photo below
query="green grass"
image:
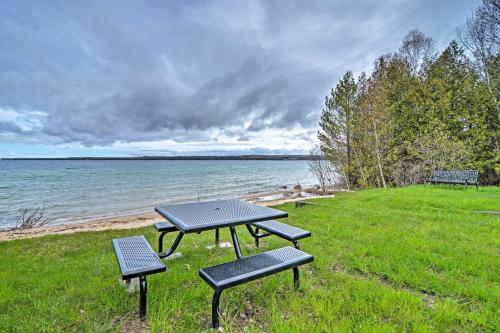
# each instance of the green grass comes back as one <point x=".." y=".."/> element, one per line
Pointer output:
<point x="413" y="259"/>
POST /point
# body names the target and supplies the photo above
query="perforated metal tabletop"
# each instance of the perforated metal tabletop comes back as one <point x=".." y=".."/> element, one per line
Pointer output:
<point x="206" y="215"/>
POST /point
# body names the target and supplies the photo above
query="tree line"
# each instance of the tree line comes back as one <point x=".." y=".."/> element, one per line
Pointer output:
<point x="419" y="110"/>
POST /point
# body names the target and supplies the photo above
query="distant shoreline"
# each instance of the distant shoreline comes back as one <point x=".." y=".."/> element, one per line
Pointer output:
<point x="168" y="158"/>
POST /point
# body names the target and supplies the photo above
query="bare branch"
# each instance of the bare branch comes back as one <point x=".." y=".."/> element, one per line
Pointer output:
<point x="30" y="218"/>
<point x="322" y="169"/>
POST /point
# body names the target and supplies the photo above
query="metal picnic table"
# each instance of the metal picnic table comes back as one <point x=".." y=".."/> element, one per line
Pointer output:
<point x="136" y="258"/>
<point x="196" y="217"/>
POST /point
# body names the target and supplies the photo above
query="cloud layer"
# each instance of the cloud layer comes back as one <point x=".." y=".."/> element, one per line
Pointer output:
<point x="191" y="75"/>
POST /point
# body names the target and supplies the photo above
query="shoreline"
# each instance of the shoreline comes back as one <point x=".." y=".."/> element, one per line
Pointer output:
<point x="138" y="220"/>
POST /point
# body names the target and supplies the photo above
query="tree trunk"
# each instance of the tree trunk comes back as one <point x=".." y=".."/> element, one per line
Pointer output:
<point x="487" y="77"/>
<point x="346" y="180"/>
<point x="377" y="150"/>
<point x="348" y="141"/>
<point x="360" y="168"/>
<point x="343" y="173"/>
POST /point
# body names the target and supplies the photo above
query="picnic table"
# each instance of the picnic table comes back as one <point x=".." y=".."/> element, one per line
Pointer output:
<point x="136" y="258"/>
<point x="196" y="217"/>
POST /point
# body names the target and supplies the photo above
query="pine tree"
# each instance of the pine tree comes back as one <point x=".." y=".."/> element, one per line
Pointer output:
<point x="336" y="126"/>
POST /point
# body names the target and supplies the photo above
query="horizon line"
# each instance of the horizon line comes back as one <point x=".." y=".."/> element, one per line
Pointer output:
<point x="176" y="157"/>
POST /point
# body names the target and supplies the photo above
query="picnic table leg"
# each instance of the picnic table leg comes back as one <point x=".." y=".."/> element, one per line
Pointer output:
<point x="296" y="281"/>
<point x="255" y="234"/>
<point x="235" y="242"/>
<point x="172" y="247"/>
<point x="143" y="294"/>
<point x="217" y="237"/>
<point x="160" y="240"/>
<point x="215" y="308"/>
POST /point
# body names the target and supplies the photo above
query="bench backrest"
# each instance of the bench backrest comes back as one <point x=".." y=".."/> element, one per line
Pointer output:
<point x="456" y="176"/>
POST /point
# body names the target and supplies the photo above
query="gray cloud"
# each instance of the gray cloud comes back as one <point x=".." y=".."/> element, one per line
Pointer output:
<point x="98" y="72"/>
<point x="9" y="127"/>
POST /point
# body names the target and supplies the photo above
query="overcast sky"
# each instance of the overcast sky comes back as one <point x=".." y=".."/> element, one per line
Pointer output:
<point x="111" y="78"/>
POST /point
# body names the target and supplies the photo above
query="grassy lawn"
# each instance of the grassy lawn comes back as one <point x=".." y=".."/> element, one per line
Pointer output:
<point x="410" y="259"/>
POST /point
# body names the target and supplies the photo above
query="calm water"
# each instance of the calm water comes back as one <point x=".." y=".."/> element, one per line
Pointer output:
<point x="75" y="190"/>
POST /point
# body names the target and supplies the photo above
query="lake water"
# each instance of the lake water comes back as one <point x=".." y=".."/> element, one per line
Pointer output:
<point x="72" y="191"/>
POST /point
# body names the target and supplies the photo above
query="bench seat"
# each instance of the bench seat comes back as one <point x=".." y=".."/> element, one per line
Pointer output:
<point x="283" y="230"/>
<point x="164" y="226"/>
<point x="247" y="269"/>
<point x="136" y="258"/>
<point x="273" y="227"/>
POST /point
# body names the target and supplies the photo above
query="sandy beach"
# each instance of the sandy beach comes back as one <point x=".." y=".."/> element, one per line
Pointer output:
<point x="144" y="219"/>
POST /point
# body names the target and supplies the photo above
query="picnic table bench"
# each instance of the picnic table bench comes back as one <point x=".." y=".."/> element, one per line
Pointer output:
<point x="136" y="258"/>
<point x="234" y="273"/>
<point x="165" y="227"/>
<point x="285" y="231"/>
<point x="464" y="177"/>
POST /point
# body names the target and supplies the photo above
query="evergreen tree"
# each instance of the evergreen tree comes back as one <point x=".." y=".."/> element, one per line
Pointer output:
<point x="416" y="112"/>
<point x="336" y="126"/>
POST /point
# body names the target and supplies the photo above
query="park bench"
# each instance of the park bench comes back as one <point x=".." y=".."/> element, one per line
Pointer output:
<point x="288" y="232"/>
<point x="136" y="258"/>
<point x="466" y="177"/>
<point x="246" y="269"/>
